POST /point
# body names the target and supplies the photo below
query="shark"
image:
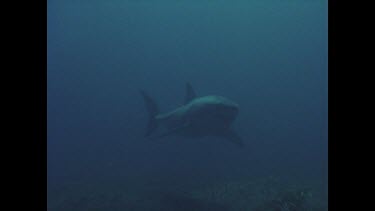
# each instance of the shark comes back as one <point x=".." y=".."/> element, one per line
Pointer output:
<point x="211" y="115"/>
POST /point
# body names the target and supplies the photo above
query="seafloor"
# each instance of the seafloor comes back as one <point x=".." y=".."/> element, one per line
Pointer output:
<point x="265" y="194"/>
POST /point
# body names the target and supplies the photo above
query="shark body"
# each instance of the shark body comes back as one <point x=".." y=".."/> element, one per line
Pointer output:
<point x="210" y="115"/>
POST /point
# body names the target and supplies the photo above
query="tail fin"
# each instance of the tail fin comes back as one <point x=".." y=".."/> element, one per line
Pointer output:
<point x="153" y="110"/>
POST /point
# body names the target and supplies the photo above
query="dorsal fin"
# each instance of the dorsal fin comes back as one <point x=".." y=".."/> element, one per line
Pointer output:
<point x="190" y="93"/>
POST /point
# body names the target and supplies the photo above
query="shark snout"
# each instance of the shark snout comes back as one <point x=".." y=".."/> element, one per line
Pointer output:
<point x="227" y="106"/>
<point x="230" y="110"/>
<point x="225" y="111"/>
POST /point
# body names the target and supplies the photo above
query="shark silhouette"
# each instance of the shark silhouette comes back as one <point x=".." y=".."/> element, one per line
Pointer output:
<point x="210" y="115"/>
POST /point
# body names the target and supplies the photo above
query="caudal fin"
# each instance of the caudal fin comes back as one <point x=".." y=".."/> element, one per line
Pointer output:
<point x="153" y="110"/>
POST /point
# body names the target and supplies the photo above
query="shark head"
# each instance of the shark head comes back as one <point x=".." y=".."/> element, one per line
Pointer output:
<point x="213" y="110"/>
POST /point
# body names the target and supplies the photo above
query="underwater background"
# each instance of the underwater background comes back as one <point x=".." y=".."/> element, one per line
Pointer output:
<point x="269" y="56"/>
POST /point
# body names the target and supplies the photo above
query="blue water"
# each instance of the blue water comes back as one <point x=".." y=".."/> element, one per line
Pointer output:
<point x="269" y="56"/>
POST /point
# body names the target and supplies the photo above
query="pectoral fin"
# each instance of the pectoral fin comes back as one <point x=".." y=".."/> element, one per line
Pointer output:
<point x="174" y="131"/>
<point x="233" y="137"/>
